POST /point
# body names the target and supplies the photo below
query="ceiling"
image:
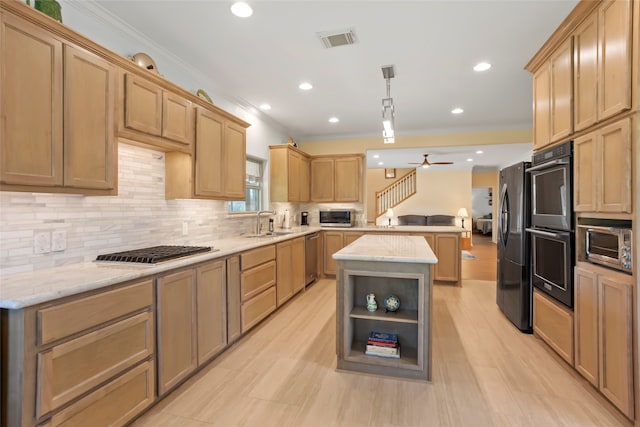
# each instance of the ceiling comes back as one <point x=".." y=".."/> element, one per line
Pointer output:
<point x="433" y="46"/>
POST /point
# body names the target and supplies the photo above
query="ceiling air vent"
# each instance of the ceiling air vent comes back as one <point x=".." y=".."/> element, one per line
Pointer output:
<point x="337" y="38"/>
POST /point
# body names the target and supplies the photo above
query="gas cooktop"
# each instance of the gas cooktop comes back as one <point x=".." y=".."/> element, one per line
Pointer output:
<point x="153" y="254"/>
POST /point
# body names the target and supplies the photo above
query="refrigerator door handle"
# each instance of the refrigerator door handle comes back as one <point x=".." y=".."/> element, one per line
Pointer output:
<point x="504" y="215"/>
<point x="543" y="233"/>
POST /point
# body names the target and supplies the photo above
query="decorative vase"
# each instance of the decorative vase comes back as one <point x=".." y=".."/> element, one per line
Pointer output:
<point x="49" y="7"/>
<point x="372" y="305"/>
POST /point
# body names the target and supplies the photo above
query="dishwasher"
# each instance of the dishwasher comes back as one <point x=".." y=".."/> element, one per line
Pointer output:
<point x="311" y="258"/>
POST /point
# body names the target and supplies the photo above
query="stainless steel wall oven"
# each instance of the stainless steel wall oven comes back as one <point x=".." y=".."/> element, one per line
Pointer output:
<point x="552" y="223"/>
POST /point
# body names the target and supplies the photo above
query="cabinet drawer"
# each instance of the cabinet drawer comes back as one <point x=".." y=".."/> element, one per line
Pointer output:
<point x="256" y="309"/>
<point x="72" y="317"/>
<point x="72" y="368"/>
<point x="554" y="324"/>
<point x="257" y="256"/>
<point x="114" y="404"/>
<point x="256" y="280"/>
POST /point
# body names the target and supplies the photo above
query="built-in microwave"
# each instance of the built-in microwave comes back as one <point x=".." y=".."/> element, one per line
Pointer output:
<point x="338" y="218"/>
<point x="608" y="246"/>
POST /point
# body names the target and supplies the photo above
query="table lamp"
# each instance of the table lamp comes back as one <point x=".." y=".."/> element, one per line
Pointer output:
<point x="389" y="214"/>
<point x="462" y="213"/>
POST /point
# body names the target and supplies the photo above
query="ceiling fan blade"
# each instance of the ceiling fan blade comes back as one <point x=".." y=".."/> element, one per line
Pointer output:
<point x="441" y="163"/>
<point x="415" y="163"/>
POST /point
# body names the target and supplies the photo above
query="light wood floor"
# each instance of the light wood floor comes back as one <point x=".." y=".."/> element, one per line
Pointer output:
<point x="485" y="373"/>
<point x="484" y="267"/>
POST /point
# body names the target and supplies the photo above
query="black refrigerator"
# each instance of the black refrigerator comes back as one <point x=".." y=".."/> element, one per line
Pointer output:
<point x="514" y="291"/>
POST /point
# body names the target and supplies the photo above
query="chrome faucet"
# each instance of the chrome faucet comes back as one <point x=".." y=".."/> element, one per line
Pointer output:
<point x="258" y="225"/>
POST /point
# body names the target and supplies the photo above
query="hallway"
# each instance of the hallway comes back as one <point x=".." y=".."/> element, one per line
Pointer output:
<point x="484" y="266"/>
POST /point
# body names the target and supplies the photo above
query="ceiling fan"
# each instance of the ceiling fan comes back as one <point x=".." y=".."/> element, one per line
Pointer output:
<point x="426" y="163"/>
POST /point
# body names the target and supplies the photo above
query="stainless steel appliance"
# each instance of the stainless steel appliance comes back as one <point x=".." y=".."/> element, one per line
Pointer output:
<point x="304" y="218"/>
<point x="514" y="292"/>
<point x="311" y="258"/>
<point x="608" y="246"/>
<point x="338" y="218"/>
<point x="153" y="254"/>
<point x="552" y="188"/>
<point x="552" y="263"/>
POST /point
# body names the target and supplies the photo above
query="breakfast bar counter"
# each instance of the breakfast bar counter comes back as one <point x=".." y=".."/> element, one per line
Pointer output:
<point x="383" y="306"/>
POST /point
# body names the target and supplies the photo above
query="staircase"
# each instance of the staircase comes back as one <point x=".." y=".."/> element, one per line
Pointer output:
<point x="395" y="193"/>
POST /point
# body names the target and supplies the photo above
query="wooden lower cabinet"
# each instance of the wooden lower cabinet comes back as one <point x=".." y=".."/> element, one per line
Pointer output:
<point x="603" y="333"/>
<point x="176" y="310"/>
<point x="447" y="249"/>
<point x="114" y="404"/>
<point x="211" y="307"/>
<point x="233" y="298"/>
<point x="333" y="241"/>
<point x="553" y="323"/>
<point x="290" y="269"/>
<point x="257" y="285"/>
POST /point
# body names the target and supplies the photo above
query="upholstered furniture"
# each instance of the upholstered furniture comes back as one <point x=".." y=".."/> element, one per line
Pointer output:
<point x="426" y="220"/>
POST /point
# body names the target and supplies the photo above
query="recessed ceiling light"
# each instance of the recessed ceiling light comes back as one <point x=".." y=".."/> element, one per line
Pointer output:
<point x="457" y="111"/>
<point x="334" y="120"/>
<point x="376" y="156"/>
<point x="469" y="159"/>
<point x="241" y="9"/>
<point x="305" y="86"/>
<point x="482" y="66"/>
<point x="479" y="152"/>
<point x="265" y="107"/>
<point x="380" y="163"/>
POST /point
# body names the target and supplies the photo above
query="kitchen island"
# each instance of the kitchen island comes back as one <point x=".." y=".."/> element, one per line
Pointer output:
<point x="385" y="265"/>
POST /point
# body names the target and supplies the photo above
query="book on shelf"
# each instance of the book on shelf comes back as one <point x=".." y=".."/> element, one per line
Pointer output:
<point x="383" y="337"/>
<point x="382" y="343"/>
<point x="395" y="355"/>
<point x="382" y="350"/>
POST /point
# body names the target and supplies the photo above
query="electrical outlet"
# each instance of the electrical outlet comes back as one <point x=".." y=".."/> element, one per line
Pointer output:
<point x="41" y="242"/>
<point x="185" y="228"/>
<point x="58" y="241"/>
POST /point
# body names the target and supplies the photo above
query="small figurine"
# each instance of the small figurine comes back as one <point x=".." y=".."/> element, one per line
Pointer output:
<point x="372" y="305"/>
<point x="292" y="142"/>
<point x="391" y="303"/>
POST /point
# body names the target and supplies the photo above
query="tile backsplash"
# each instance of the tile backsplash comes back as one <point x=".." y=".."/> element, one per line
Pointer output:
<point x="138" y="216"/>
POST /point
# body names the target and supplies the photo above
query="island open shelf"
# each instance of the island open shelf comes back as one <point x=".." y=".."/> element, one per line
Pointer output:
<point x="406" y="277"/>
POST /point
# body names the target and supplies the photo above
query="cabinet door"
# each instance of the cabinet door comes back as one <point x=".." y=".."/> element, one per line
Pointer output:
<point x="233" y="298"/>
<point x="561" y="65"/>
<point x="585" y="95"/>
<point x="235" y="162"/>
<point x="30" y="105"/>
<point x="304" y="178"/>
<point x="586" y="324"/>
<point x="293" y="177"/>
<point x="298" y="264"/>
<point x="448" y="253"/>
<point x="616" y="351"/>
<point x="284" y="267"/>
<point x="211" y="308"/>
<point x="351" y="236"/>
<point x="142" y="105"/>
<point x="176" y="328"/>
<point x="322" y="180"/>
<point x="89" y="108"/>
<point x="541" y="107"/>
<point x="615" y="168"/>
<point x="332" y="244"/>
<point x="209" y="154"/>
<point x="347" y="180"/>
<point x="585" y="172"/>
<point x="614" y="88"/>
<point x="177" y="118"/>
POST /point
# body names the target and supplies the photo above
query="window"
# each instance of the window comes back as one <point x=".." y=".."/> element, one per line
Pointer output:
<point x="253" y="195"/>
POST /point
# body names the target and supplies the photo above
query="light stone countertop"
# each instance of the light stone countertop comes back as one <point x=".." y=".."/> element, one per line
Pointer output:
<point x="403" y="228"/>
<point x="28" y="289"/>
<point x="372" y="247"/>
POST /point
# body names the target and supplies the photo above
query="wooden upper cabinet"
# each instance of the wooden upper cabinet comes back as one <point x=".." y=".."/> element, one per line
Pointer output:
<point x="585" y="82"/>
<point x="322" y="180"/>
<point x="347" y="179"/>
<point x="561" y="90"/>
<point x="177" y="118"/>
<point x="614" y="58"/>
<point x="602" y="170"/>
<point x="541" y="108"/>
<point x="552" y="98"/>
<point x="235" y="161"/>
<point x="143" y="105"/>
<point x="289" y="172"/>
<point x="336" y="178"/>
<point x="156" y="116"/>
<point x="31" y="104"/>
<point x="209" y="154"/>
<point x="90" y="153"/>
